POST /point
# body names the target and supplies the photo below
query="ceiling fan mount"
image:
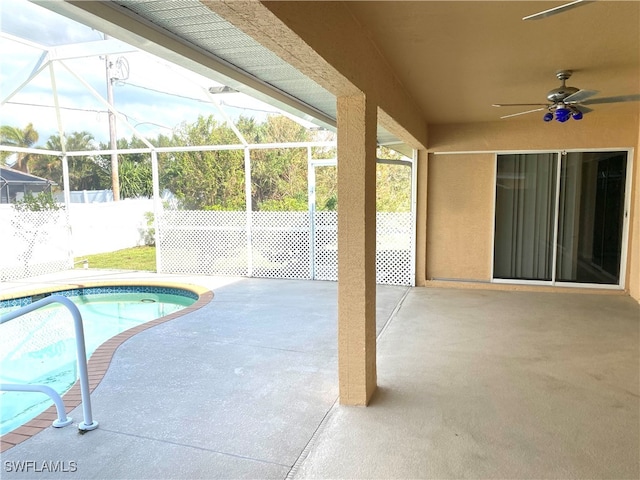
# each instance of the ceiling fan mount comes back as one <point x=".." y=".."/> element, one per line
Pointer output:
<point x="559" y="94"/>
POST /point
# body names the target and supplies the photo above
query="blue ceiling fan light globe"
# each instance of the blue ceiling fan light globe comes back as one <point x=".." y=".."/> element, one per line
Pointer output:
<point x="548" y="117"/>
<point x="577" y="115"/>
<point x="563" y="114"/>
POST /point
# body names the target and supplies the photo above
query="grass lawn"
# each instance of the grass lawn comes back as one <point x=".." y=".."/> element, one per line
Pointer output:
<point x="136" y="258"/>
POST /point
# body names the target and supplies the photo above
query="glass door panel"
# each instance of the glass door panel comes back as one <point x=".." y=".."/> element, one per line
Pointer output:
<point x="591" y="209"/>
<point x="525" y="216"/>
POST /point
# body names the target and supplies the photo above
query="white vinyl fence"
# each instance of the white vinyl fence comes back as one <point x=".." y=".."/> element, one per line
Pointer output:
<point x="36" y="243"/>
<point x="296" y="245"/>
<point x="110" y="226"/>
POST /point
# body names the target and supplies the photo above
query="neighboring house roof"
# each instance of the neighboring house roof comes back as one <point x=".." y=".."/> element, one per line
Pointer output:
<point x="9" y="175"/>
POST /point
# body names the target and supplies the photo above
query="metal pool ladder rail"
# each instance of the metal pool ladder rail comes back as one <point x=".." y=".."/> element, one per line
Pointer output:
<point x="81" y="353"/>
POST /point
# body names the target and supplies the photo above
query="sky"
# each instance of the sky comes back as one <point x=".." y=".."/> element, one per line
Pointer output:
<point x="155" y="97"/>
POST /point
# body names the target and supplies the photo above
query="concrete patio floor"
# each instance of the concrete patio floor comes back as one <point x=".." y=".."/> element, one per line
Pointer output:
<point x="472" y="384"/>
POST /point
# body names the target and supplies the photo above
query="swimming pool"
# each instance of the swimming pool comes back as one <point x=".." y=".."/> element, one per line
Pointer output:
<point x="39" y="348"/>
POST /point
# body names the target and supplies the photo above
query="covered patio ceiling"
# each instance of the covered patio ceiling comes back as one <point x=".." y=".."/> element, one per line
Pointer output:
<point x="458" y="58"/>
<point x="454" y="59"/>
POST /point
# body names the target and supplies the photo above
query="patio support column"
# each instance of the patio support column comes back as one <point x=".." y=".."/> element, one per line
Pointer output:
<point x="421" y="218"/>
<point x="357" y="119"/>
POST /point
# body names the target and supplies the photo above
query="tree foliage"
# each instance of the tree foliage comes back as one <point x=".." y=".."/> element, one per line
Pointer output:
<point x="279" y="176"/>
<point x="18" y="137"/>
<point x="326" y="188"/>
<point x="393" y="183"/>
<point x="134" y="170"/>
<point x="85" y="172"/>
<point x="214" y="180"/>
<point x="211" y="179"/>
<point x="40" y="202"/>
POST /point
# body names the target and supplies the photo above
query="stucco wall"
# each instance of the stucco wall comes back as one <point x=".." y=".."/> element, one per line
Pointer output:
<point x="460" y="217"/>
<point x="461" y="186"/>
<point x="603" y="131"/>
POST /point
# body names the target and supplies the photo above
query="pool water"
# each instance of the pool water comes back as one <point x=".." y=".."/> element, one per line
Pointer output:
<point x="40" y="348"/>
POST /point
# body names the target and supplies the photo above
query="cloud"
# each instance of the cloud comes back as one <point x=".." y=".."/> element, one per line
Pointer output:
<point x="37" y="24"/>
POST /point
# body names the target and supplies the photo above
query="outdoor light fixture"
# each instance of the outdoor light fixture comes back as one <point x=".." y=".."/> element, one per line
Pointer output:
<point x="222" y="89"/>
<point x="562" y="113"/>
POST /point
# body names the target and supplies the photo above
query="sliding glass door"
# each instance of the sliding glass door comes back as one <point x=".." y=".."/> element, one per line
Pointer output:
<point x="559" y="218"/>
<point x="525" y="216"/>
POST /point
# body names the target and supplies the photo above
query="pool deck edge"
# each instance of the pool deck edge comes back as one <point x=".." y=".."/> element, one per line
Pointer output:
<point x="197" y="289"/>
<point x="100" y="360"/>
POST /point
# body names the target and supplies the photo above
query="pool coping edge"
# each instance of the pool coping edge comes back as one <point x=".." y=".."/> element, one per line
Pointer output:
<point x="100" y="360"/>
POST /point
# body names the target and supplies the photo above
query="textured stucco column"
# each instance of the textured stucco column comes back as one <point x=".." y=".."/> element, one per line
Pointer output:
<point x="421" y="218"/>
<point x="356" y="249"/>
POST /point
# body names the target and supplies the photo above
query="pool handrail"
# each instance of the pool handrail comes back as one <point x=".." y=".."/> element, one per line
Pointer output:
<point x="81" y="351"/>
<point x="62" y="420"/>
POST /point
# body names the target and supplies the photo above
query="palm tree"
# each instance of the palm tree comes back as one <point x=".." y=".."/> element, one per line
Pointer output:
<point x="85" y="173"/>
<point x="18" y="137"/>
<point x="47" y="166"/>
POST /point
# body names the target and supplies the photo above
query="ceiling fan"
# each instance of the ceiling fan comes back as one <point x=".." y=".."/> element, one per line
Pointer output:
<point x="558" y="9"/>
<point x="567" y="102"/>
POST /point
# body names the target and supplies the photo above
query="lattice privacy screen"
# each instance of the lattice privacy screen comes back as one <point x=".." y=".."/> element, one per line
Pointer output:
<point x="203" y="242"/>
<point x="325" y="245"/>
<point x="280" y="244"/>
<point x="394" y="265"/>
<point x="35" y="243"/>
<point x="275" y="245"/>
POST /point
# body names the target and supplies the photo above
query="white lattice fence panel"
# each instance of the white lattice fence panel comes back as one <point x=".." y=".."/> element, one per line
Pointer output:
<point x="394" y="264"/>
<point x="280" y="242"/>
<point x="326" y="245"/>
<point x="203" y="242"/>
<point x="206" y="243"/>
<point x="33" y="243"/>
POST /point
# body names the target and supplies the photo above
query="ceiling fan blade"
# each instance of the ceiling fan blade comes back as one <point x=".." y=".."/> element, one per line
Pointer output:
<point x="520" y="105"/>
<point x="523" y="113"/>
<point x="556" y="10"/>
<point x="621" y="98"/>
<point x="580" y="96"/>
<point x="582" y="108"/>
